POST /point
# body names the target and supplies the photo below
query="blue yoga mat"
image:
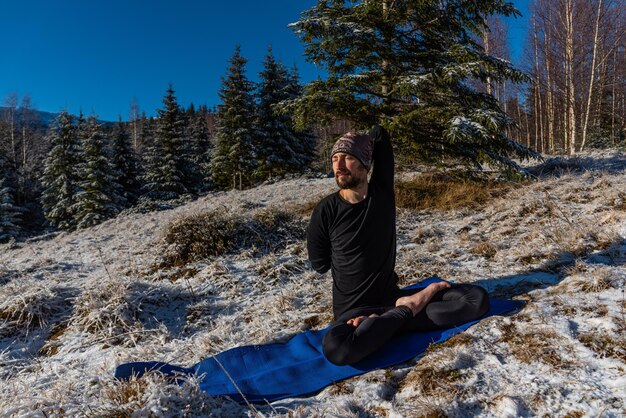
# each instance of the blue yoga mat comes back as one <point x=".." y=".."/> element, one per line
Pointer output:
<point x="298" y="367"/>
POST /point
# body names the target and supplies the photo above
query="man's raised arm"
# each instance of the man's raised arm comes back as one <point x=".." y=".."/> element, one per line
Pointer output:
<point x="383" y="170"/>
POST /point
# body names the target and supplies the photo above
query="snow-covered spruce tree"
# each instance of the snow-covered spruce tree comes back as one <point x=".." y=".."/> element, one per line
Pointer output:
<point x="10" y="214"/>
<point x="275" y="138"/>
<point x="60" y="178"/>
<point x="98" y="198"/>
<point x="166" y="157"/>
<point x="304" y="142"/>
<point x="124" y="164"/>
<point x="406" y="64"/>
<point x="200" y="150"/>
<point x="146" y="145"/>
<point x="234" y="158"/>
<point x="146" y="134"/>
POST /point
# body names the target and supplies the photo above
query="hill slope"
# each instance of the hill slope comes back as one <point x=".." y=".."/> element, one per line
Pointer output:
<point x="74" y="305"/>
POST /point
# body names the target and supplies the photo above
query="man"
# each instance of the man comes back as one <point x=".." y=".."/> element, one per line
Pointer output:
<point x="353" y="233"/>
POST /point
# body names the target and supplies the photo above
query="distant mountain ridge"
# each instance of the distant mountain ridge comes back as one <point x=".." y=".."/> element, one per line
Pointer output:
<point x="39" y="117"/>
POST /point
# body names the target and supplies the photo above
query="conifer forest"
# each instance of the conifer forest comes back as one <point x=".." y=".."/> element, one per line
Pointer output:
<point x="438" y="75"/>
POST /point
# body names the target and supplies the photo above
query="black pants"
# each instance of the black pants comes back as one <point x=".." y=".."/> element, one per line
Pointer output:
<point x="344" y="344"/>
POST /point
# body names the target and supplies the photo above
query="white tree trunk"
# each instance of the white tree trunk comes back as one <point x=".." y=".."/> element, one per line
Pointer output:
<point x="550" y="111"/>
<point x="486" y="47"/>
<point x="570" y="101"/>
<point x="592" y="76"/>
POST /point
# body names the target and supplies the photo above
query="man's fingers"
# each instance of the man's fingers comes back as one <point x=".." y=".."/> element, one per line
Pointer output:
<point x="355" y="321"/>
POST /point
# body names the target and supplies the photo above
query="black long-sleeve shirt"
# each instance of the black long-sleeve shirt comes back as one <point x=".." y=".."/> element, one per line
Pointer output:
<point x="358" y="241"/>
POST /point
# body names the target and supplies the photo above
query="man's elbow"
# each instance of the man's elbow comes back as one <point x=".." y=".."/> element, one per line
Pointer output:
<point x="321" y="268"/>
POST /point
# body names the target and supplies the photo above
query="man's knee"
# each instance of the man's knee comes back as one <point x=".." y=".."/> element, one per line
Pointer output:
<point x="479" y="299"/>
<point x="336" y="344"/>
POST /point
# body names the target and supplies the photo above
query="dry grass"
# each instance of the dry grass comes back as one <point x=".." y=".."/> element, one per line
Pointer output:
<point x="563" y="306"/>
<point x="574" y="414"/>
<point x="530" y="346"/>
<point x="378" y="411"/>
<point x="26" y="305"/>
<point x="200" y="236"/>
<point x="156" y="395"/>
<point x="591" y="278"/>
<point x="605" y="345"/>
<point x="304" y="209"/>
<point x="199" y="316"/>
<point x="272" y="268"/>
<point x="596" y="283"/>
<point x="436" y="386"/>
<point x="432" y="381"/>
<point x="53" y="343"/>
<point x="437" y="379"/>
<point x="571" y="237"/>
<point x="457" y="341"/>
<point x="619" y="201"/>
<point x="181" y="272"/>
<point x="25" y="407"/>
<point x="344" y="387"/>
<point x="439" y="192"/>
<point x="422" y="235"/>
<point x="126" y="397"/>
<point x="485" y="249"/>
<point x="109" y="313"/>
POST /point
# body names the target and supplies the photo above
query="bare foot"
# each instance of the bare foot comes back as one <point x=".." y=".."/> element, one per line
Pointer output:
<point x="355" y="322"/>
<point x="417" y="301"/>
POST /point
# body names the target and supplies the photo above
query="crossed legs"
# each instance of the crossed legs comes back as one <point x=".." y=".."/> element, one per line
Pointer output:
<point x="362" y="331"/>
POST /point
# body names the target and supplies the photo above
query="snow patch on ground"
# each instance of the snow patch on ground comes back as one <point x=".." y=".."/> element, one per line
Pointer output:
<point x="75" y="305"/>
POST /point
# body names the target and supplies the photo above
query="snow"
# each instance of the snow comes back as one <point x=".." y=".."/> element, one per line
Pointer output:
<point x="75" y="305"/>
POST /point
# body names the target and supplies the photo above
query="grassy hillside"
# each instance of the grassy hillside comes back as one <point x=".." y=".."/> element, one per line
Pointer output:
<point x="231" y="269"/>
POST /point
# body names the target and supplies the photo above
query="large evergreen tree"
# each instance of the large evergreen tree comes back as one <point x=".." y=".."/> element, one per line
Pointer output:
<point x="164" y="175"/>
<point x="146" y="145"/>
<point x="124" y="164"/>
<point x="303" y="141"/>
<point x="200" y="149"/>
<point x="406" y="64"/>
<point x="60" y="178"/>
<point x="275" y="138"/>
<point x="98" y="198"/>
<point x="10" y="214"/>
<point x="145" y="134"/>
<point x="234" y="156"/>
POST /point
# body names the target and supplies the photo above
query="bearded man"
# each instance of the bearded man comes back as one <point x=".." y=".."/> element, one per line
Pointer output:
<point x="353" y="233"/>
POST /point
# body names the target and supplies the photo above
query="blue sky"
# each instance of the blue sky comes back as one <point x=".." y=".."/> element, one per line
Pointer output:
<point x="97" y="56"/>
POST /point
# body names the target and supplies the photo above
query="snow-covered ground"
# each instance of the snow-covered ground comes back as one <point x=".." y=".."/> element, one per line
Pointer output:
<point x="75" y="305"/>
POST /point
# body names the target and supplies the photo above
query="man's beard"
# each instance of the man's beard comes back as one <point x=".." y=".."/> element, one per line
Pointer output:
<point x="347" y="181"/>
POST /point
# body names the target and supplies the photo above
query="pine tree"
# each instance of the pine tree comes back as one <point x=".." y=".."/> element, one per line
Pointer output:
<point x="60" y="179"/>
<point x="10" y="214"/>
<point x="98" y="198"/>
<point x="146" y="145"/>
<point x="200" y="150"/>
<point x="81" y="125"/>
<point x="124" y="164"/>
<point x="234" y="157"/>
<point x="303" y="141"/>
<point x="146" y="134"/>
<point x="406" y="64"/>
<point x="164" y="177"/>
<point x="188" y="168"/>
<point x="274" y="136"/>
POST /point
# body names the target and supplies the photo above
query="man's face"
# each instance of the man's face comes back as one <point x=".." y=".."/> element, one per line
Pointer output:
<point x="349" y="172"/>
